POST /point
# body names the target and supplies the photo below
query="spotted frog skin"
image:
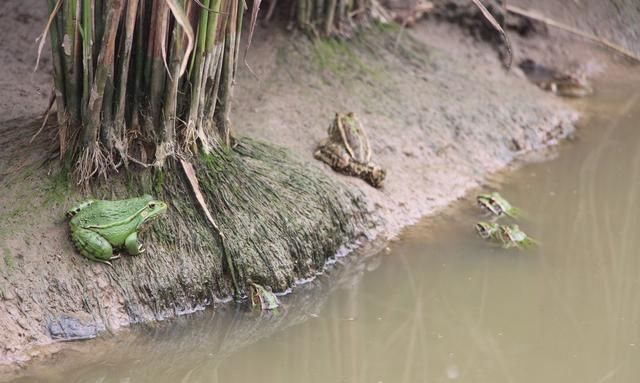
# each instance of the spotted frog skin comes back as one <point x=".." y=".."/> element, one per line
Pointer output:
<point x="98" y="226"/>
<point x="347" y="150"/>
<point x="507" y="235"/>
<point x="497" y="205"/>
<point x="513" y="236"/>
<point x="487" y="230"/>
<point x="262" y="297"/>
<point x="561" y="84"/>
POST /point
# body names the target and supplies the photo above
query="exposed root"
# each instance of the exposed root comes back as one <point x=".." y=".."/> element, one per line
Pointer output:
<point x="46" y="117"/>
<point x="91" y="162"/>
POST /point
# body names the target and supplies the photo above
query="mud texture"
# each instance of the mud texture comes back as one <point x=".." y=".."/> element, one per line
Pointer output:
<point x="441" y="113"/>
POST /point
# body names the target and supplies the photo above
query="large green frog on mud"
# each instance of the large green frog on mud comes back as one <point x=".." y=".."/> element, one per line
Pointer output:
<point x="97" y="226"/>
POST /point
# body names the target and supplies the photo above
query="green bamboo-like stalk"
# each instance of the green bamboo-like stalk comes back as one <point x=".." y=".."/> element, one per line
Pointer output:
<point x="319" y="15"/>
<point x="141" y="37"/>
<point x="329" y="19"/>
<point x="87" y="52"/>
<point x="59" y="78"/>
<point x="121" y="88"/>
<point x="214" y="48"/>
<point x="104" y="71"/>
<point x="221" y="115"/>
<point x="70" y="57"/>
<point x="197" y="74"/>
<point x="119" y="76"/>
<point x="158" y="75"/>
<point x="167" y="146"/>
<point x="303" y="6"/>
<point x="98" y="8"/>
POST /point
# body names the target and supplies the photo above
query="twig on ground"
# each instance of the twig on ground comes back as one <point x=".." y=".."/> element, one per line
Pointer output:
<point x="190" y="172"/>
<point x="487" y="15"/>
<point x="52" y="99"/>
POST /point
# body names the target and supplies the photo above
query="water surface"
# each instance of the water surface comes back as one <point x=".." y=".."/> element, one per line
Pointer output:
<point x="441" y="304"/>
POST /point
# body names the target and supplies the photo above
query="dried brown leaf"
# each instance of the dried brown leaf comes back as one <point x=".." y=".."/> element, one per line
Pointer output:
<point x="489" y="17"/>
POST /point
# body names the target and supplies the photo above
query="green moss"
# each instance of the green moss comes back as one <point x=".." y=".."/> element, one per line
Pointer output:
<point x="281" y="218"/>
<point x="59" y="187"/>
<point x="158" y="184"/>
<point x="391" y="27"/>
<point x="8" y="259"/>
<point x="338" y="57"/>
<point x="281" y="55"/>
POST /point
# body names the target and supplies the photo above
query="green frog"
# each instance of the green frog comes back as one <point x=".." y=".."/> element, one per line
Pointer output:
<point x="487" y="230"/>
<point x="507" y="235"/>
<point x="347" y="150"/>
<point x="513" y="236"/>
<point x="97" y="226"/>
<point x="262" y="297"/>
<point x="497" y="205"/>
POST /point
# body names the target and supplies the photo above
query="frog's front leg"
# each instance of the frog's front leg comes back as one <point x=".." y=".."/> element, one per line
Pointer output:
<point x="92" y="245"/>
<point x="133" y="246"/>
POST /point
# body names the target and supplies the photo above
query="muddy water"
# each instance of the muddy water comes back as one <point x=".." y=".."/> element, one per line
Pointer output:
<point x="440" y="304"/>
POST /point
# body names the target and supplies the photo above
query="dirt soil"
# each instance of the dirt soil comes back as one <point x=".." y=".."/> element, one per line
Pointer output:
<point x="440" y="111"/>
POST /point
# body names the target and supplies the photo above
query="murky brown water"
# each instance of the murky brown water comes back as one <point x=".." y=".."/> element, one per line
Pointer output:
<point x="442" y="305"/>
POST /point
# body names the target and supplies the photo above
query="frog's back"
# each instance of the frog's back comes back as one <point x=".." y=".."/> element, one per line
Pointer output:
<point x="104" y="212"/>
<point x="360" y="146"/>
<point x="355" y="138"/>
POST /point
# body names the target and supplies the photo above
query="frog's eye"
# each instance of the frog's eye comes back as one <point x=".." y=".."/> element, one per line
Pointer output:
<point x="152" y="205"/>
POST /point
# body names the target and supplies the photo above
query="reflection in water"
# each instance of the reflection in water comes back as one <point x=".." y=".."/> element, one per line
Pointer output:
<point x="443" y="305"/>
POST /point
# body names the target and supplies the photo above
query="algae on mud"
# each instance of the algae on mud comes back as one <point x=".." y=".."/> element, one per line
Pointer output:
<point x="282" y="219"/>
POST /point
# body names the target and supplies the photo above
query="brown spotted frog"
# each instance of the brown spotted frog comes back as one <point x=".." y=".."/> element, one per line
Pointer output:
<point x="347" y="150"/>
<point x="561" y="84"/>
<point x="262" y="297"/>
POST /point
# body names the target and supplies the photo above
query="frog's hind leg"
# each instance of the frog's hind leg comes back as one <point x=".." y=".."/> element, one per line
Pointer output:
<point x="371" y="173"/>
<point x="133" y="246"/>
<point x="92" y="245"/>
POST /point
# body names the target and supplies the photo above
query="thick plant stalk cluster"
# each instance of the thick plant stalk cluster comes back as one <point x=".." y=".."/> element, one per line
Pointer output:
<point x="332" y="17"/>
<point x="141" y="80"/>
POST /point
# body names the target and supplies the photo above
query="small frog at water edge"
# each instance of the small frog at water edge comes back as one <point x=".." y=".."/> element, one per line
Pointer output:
<point x="497" y="205"/>
<point x="561" y="84"/>
<point x="487" y="230"/>
<point x="513" y="236"/>
<point x="262" y="297"/>
<point x="508" y="235"/>
<point x="347" y="150"/>
<point x="97" y="226"/>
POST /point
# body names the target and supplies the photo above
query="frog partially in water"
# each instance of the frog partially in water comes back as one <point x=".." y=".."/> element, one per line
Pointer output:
<point x="262" y="297"/>
<point x="561" y="84"/>
<point x="487" y="230"/>
<point x="513" y="236"/>
<point x="347" y="150"/>
<point x="97" y="226"/>
<point x="497" y="205"/>
<point x="507" y="235"/>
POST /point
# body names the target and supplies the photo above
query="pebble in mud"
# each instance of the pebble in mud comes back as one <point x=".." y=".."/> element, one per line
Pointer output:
<point x="69" y="328"/>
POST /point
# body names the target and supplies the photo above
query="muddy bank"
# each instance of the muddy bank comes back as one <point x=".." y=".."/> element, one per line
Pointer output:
<point x="440" y="111"/>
